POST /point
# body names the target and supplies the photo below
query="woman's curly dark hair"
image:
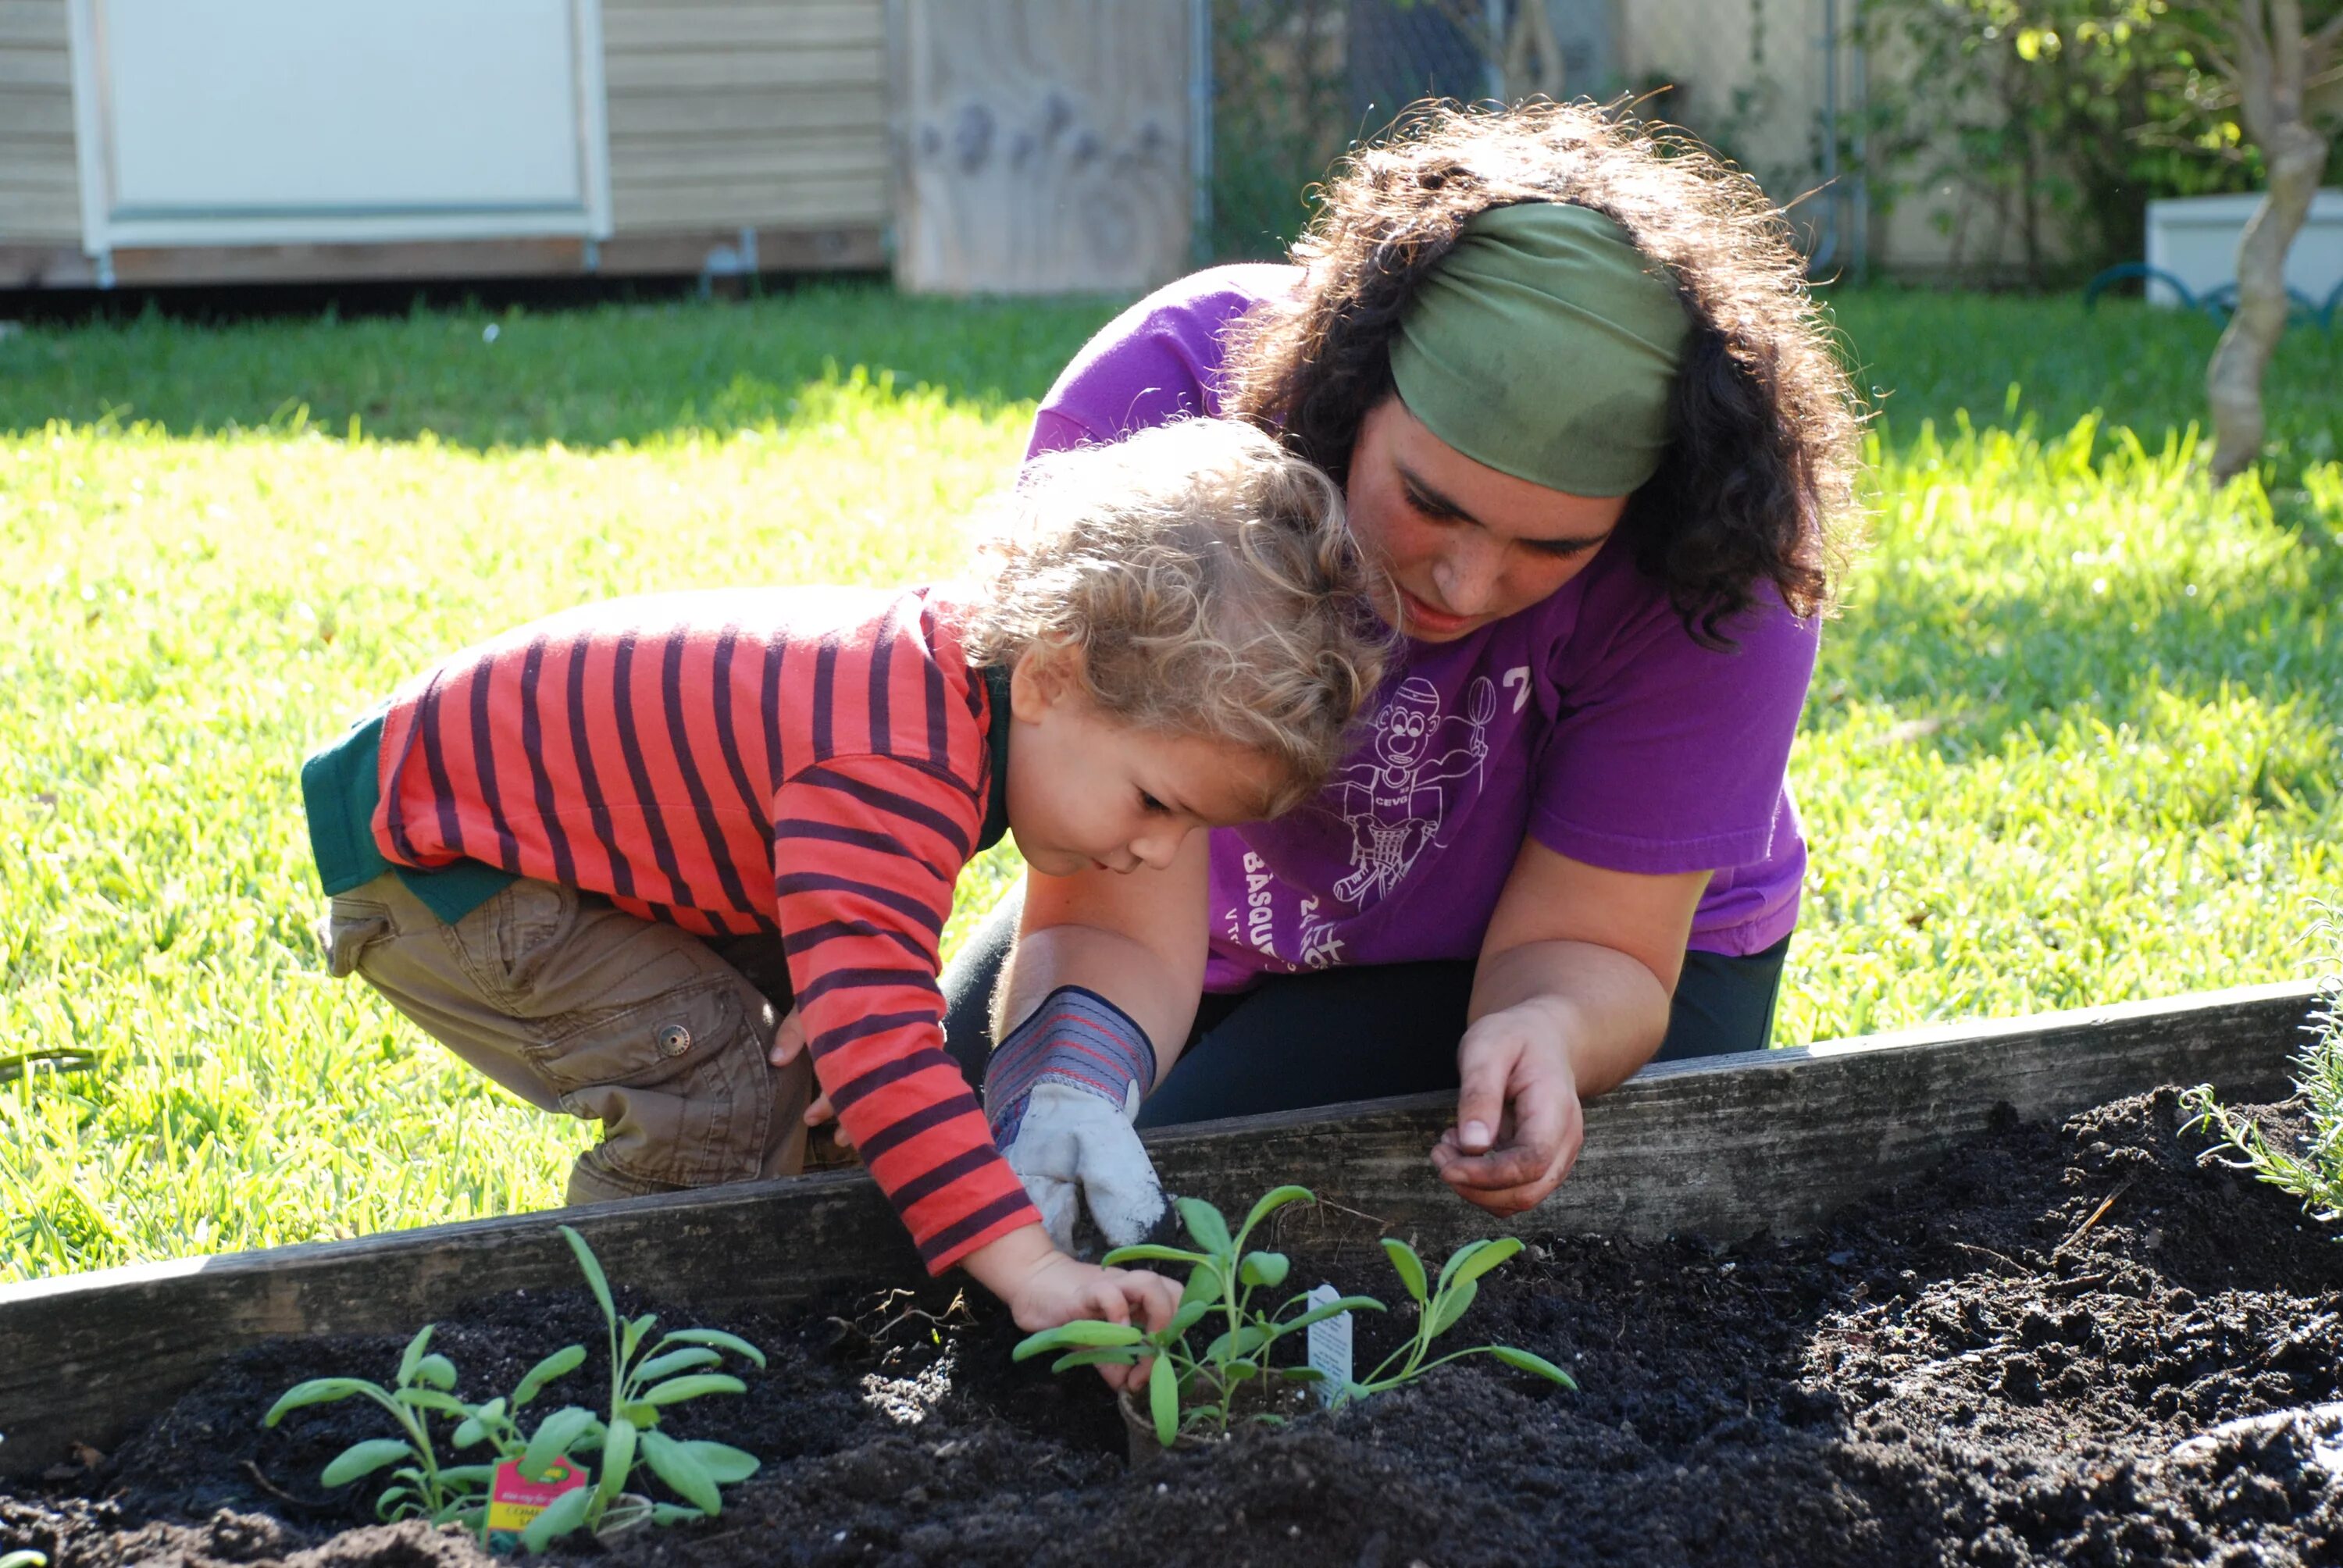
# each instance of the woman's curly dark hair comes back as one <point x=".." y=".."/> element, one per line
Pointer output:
<point x="1756" y="483"/>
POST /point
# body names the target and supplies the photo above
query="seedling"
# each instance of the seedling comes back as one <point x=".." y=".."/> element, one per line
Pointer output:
<point x="421" y="1485"/>
<point x="2314" y="1172"/>
<point x="1192" y="1392"/>
<point x="27" y="1559"/>
<point x="644" y="1383"/>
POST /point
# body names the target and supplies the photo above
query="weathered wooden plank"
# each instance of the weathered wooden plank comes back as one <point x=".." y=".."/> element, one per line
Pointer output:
<point x="38" y="216"/>
<point x="780" y="203"/>
<point x="1045" y="144"/>
<point x="857" y="108"/>
<point x="34" y="264"/>
<point x="1730" y="1146"/>
<point x="716" y="160"/>
<point x="21" y="68"/>
<point x="686" y="251"/>
<point x="686" y="29"/>
<point x="35" y="25"/>
<point x="772" y="69"/>
<point x="45" y="113"/>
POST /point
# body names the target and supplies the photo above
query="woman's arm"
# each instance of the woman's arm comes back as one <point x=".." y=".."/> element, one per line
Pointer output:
<point x="1572" y="996"/>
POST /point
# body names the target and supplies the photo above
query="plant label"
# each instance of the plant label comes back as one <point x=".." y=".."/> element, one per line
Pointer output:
<point x="514" y="1500"/>
<point x="1330" y="1346"/>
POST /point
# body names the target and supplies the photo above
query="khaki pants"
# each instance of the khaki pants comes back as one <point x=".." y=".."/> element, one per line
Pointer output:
<point x="576" y="1006"/>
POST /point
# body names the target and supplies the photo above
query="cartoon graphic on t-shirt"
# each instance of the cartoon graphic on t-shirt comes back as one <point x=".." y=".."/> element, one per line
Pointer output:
<point x="1396" y="801"/>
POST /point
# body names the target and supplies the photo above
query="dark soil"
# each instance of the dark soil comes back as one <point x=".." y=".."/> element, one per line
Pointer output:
<point x="1995" y="1366"/>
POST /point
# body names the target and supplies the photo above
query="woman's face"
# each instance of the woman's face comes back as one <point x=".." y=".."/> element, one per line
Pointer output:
<point x="1463" y="544"/>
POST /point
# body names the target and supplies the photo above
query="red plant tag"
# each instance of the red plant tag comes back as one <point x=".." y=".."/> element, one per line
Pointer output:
<point x="514" y="1500"/>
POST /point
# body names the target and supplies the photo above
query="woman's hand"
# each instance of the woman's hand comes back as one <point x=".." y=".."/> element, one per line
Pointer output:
<point x="1519" y="1124"/>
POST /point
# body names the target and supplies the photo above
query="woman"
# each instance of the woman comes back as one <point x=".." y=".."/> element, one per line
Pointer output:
<point x="1590" y="427"/>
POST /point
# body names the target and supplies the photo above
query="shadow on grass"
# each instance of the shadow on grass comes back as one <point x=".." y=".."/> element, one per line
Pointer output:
<point x="1965" y="675"/>
<point x="616" y="373"/>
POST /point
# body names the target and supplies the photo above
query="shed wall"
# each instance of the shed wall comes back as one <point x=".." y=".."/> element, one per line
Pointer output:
<point x="40" y="183"/>
<point x="750" y="114"/>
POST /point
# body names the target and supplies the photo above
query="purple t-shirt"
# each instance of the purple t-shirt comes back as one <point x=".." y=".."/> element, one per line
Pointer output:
<point x="1591" y="723"/>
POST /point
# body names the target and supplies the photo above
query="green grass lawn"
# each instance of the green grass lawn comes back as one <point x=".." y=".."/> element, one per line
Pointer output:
<point x="2075" y="738"/>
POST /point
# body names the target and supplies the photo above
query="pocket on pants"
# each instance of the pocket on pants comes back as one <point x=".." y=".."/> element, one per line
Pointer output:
<point x="351" y="926"/>
<point x="681" y="1087"/>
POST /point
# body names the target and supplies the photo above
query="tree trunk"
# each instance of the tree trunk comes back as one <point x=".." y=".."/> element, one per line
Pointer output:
<point x="2233" y="381"/>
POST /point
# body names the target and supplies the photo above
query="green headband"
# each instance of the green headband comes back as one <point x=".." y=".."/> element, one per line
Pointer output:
<point x="1544" y="347"/>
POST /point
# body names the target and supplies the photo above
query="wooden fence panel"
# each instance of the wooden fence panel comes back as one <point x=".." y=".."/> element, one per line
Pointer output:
<point x="1042" y="145"/>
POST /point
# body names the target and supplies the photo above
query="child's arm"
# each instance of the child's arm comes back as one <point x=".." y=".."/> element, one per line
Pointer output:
<point x="1042" y="1287"/>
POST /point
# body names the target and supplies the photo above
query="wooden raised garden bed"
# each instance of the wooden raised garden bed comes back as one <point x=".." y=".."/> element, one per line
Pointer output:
<point x="1773" y="1147"/>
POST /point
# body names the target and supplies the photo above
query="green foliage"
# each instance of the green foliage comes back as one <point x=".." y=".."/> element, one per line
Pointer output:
<point x="2314" y="1172"/>
<point x="646" y="1382"/>
<point x="1230" y="1381"/>
<point x="1439" y="1303"/>
<point x="2057" y="119"/>
<point x="1280" y="117"/>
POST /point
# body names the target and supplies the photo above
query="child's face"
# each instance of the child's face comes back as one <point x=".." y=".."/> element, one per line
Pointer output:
<point x="1087" y="791"/>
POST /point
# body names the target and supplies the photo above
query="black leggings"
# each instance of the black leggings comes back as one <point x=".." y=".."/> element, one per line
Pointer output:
<point x="1339" y="1034"/>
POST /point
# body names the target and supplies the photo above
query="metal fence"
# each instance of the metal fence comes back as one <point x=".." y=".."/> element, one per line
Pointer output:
<point x="1767" y="82"/>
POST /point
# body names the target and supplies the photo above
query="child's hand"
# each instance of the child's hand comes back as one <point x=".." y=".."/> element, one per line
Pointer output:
<point x="1042" y="1287"/>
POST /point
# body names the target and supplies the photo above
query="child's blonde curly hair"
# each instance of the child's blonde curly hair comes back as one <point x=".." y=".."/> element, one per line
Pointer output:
<point x="1209" y="582"/>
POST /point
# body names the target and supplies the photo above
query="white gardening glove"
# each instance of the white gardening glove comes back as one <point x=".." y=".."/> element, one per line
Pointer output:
<point x="1061" y="1092"/>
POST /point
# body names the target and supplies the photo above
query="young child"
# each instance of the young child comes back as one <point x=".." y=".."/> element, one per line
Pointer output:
<point x="567" y="854"/>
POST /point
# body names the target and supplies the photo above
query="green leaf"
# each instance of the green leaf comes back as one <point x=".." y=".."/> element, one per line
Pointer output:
<point x="1452" y="1304"/>
<point x="1236" y="1343"/>
<point x="431" y="1398"/>
<point x="1475" y="1259"/>
<point x="364" y="1459"/>
<point x="617" y="1459"/>
<point x="1534" y="1364"/>
<point x="1409" y="1266"/>
<point x="560" y="1363"/>
<point x="395" y="1503"/>
<point x="478" y="1422"/>
<point x="319" y="1391"/>
<point x="412" y="1357"/>
<point x="556" y="1435"/>
<point x="1325" y="1309"/>
<point x="1300" y="1374"/>
<point x="435" y="1372"/>
<point x="1190" y="1314"/>
<point x="642" y="1411"/>
<point x="716" y="1338"/>
<point x="666" y="1513"/>
<point x="675" y="1390"/>
<point x="1148" y="1252"/>
<point x="1204" y="1284"/>
<point x="683" y="1474"/>
<point x="632" y="1340"/>
<point x="661" y="1366"/>
<point x="1205" y="1224"/>
<point x="461" y="1476"/>
<point x="562" y="1515"/>
<point x="1163" y="1400"/>
<point x="1116" y="1355"/>
<point x="1082" y="1333"/>
<point x="726" y="1465"/>
<point x="1276" y="1198"/>
<point x="592" y="1270"/>
<point x="1264" y="1269"/>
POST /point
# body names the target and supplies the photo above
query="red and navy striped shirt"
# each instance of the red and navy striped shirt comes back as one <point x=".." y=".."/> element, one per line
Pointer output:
<point x="807" y="760"/>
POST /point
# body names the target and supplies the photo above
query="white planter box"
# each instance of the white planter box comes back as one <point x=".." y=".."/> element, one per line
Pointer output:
<point x="2195" y="238"/>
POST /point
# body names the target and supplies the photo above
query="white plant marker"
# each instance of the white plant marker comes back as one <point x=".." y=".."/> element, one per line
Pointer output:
<point x="1330" y="1346"/>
